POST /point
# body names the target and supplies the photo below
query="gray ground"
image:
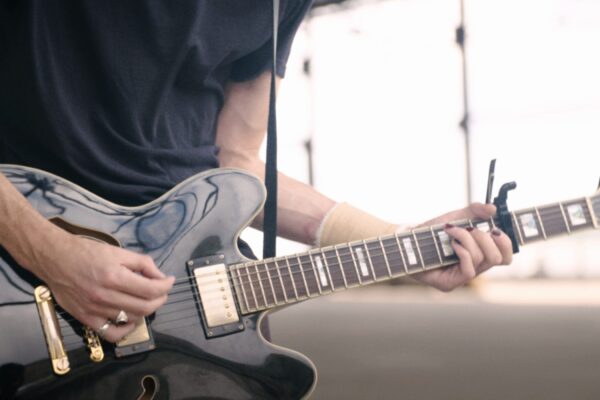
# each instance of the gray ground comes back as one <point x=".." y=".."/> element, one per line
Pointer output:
<point x="408" y="344"/>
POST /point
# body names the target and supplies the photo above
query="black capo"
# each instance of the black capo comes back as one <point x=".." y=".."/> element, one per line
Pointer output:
<point x="503" y="216"/>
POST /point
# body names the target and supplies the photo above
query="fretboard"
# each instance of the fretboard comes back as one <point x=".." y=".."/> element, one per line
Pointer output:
<point x="266" y="284"/>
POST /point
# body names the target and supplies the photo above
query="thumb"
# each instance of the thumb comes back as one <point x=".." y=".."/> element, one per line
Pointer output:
<point x="480" y="210"/>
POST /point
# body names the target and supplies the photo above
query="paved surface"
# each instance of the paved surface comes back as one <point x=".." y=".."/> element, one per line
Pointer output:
<point x="413" y="343"/>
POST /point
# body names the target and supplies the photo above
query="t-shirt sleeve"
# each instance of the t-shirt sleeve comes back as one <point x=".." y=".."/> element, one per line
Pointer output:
<point x="253" y="64"/>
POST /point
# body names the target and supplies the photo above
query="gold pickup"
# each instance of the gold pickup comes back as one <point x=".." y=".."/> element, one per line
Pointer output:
<point x="56" y="348"/>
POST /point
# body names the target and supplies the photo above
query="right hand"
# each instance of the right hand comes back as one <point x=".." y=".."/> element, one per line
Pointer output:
<point x="93" y="281"/>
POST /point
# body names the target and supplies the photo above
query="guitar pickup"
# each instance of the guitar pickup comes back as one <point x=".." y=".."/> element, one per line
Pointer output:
<point x="51" y="328"/>
<point x="138" y="341"/>
<point x="216" y="302"/>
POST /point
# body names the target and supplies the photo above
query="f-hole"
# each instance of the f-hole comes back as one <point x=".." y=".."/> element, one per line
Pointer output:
<point x="83" y="231"/>
<point x="150" y="387"/>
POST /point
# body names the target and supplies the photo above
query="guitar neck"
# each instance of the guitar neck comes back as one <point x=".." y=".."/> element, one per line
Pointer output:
<point x="271" y="283"/>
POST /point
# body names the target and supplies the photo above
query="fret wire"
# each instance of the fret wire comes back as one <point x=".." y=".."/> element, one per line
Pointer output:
<point x="377" y="258"/>
<point x="554" y="220"/>
<point x="317" y="277"/>
<point x="250" y="282"/>
<point x="592" y="213"/>
<point x="436" y="243"/>
<point x="493" y="222"/>
<point x="562" y="210"/>
<point x="387" y="263"/>
<point x="327" y="269"/>
<point x="516" y="223"/>
<point x="418" y="250"/>
<point x="393" y="255"/>
<point x="287" y="262"/>
<point x="470" y="223"/>
<point x="316" y="273"/>
<point x="271" y="282"/>
<point x="401" y="254"/>
<point x="301" y="268"/>
<point x="262" y="289"/>
<point x="237" y="270"/>
<point x="283" y="288"/>
<point x="236" y="298"/>
<point x="355" y="265"/>
<point x="537" y="212"/>
<point x="337" y="254"/>
<point x="364" y="243"/>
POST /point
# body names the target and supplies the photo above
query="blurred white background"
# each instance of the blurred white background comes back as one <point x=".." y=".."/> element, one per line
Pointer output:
<point x="385" y="98"/>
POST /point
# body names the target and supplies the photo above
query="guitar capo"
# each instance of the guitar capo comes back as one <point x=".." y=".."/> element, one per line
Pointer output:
<point x="504" y="217"/>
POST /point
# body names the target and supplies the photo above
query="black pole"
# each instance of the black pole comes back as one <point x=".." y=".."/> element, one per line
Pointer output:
<point x="464" y="123"/>
<point x="307" y="69"/>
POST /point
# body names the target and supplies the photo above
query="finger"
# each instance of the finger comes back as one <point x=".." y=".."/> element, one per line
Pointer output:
<point x="489" y="249"/>
<point x="467" y="241"/>
<point x="119" y="300"/>
<point x="141" y="286"/>
<point x="465" y="271"/>
<point x="113" y="333"/>
<point x="141" y="263"/>
<point x="504" y="245"/>
<point x="111" y="312"/>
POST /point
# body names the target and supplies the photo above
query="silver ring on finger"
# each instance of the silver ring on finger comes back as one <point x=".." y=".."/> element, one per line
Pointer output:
<point x="102" y="330"/>
<point x="122" y="318"/>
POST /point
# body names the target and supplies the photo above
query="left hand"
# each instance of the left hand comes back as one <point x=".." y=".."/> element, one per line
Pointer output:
<point x="477" y="251"/>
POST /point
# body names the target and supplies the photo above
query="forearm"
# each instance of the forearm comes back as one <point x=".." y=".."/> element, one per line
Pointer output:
<point x="24" y="233"/>
<point x="300" y="208"/>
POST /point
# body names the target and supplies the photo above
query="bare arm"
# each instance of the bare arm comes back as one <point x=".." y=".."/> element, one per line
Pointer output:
<point x="301" y="209"/>
<point x="92" y="281"/>
<point x="240" y="133"/>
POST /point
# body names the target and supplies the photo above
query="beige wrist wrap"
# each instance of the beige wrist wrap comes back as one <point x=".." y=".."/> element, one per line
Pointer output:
<point x="345" y="223"/>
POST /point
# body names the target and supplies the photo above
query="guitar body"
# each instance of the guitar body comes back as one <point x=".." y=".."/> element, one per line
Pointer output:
<point x="201" y="217"/>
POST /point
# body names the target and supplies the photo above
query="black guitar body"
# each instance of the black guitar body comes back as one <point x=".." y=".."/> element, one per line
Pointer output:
<point x="201" y="217"/>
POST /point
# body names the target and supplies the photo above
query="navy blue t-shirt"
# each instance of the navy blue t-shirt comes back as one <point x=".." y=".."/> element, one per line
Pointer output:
<point x="122" y="97"/>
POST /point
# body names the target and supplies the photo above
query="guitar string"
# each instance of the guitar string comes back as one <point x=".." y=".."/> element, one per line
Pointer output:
<point x="273" y="292"/>
<point x="158" y="321"/>
<point x="161" y="322"/>
<point x="275" y="287"/>
<point x="310" y="271"/>
<point x="425" y="245"/>
<point x="158" y="318"/>
<point x="428" y="242"/>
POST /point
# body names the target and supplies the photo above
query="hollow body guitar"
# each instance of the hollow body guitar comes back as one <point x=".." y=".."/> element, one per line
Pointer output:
<point x="205" y="342"/>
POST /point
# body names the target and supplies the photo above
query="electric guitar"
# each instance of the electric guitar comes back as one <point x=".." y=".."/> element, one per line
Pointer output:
<point x="205" y="341"/>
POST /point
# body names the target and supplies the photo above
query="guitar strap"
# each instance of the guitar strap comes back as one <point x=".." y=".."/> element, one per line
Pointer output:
<point x="270" y="215"/>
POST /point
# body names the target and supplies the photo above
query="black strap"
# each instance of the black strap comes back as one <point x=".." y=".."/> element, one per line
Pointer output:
<point x="270" y="218"/>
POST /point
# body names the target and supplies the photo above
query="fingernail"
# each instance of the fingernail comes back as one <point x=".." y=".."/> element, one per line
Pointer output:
<point x="449" y="226"/>
<point x="496" y="232"/>
<point x="470" y="229"/>
<point x="457" y="241"/>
